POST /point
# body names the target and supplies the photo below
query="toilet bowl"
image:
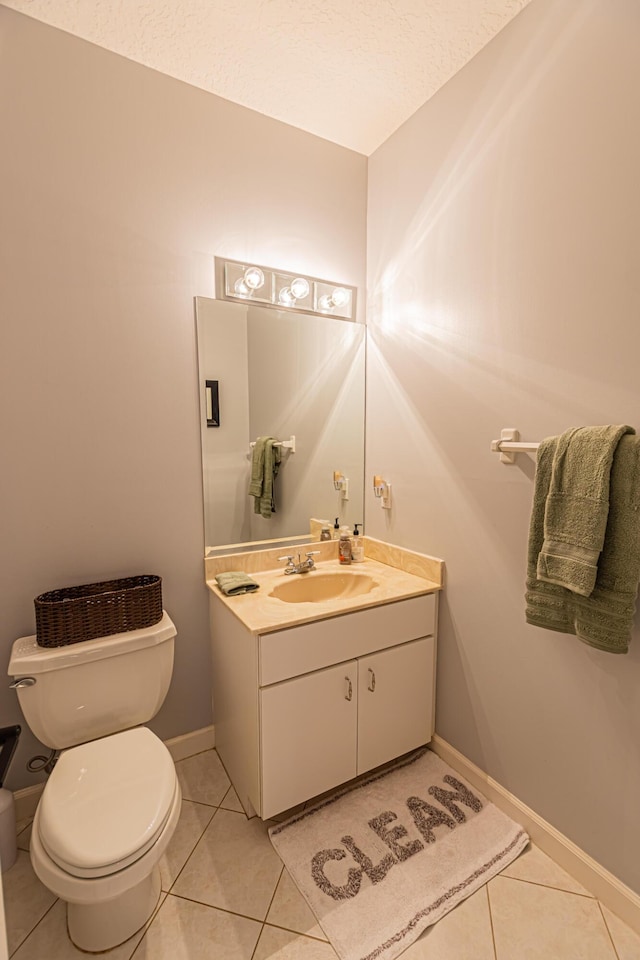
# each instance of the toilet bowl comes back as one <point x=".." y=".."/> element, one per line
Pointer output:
<point x="112" y="802"/>
<point x="104" y="820"/>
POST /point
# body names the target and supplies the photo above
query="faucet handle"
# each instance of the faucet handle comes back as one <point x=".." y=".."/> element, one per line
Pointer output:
<point x="310" y="561"/>
<point x="288" y="559"/>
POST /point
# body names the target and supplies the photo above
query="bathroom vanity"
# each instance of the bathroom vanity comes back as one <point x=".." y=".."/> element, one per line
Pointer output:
<point x="309" y="694"/>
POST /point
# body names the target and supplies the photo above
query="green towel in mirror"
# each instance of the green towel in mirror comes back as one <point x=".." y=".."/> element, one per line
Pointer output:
<point x="236" y="582"/>
<point x="265" y="463"/>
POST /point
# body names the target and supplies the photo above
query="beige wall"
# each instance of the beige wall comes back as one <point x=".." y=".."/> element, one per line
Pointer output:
<point x="504" y="283"/>
<point x="119" y="185"/>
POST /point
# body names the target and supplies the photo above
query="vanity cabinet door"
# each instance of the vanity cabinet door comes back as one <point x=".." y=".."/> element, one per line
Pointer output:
<point x="308" y="731"/>
<point x="395" y="702"/>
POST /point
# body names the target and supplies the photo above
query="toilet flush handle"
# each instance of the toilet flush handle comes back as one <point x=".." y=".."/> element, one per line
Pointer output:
<point x="22" y="682"/>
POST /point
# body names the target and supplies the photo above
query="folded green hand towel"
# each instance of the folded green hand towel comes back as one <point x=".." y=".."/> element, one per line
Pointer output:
<point x="577" y="506"/>
<point x="605" y="618"/>
<point x="236" y="582"/>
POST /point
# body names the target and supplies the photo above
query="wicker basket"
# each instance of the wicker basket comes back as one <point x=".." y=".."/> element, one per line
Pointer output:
<point x="95" y="610"/>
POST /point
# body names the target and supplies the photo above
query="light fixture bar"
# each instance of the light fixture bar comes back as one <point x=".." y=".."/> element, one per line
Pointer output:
<point x="281" y="290"/>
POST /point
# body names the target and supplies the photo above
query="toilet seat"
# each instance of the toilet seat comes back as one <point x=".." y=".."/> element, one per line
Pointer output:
<point x="106" y="803"/>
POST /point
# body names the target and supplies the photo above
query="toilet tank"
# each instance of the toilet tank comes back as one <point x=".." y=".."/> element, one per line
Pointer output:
<point x="91" y="689"/>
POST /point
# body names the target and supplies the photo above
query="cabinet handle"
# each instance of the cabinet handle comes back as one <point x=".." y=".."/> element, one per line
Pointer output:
<point x="349" y="694"/>
<point x="372" y="681"/>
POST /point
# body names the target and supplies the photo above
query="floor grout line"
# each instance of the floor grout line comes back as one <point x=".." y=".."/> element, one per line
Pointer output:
<point x="226" y="772"/>
<point x="213" y="906"/>
<point x="548" y="886"/>
<point x="257" y="941"/>
<point x="225" y="796"/>
<point x="195" y="846"/>
<point x="273" y="895"/>
<point x="161" y="901"/>
<point x="604" y="919"/>
<point x="493" y="933"/>
<point x="297" y="933"/>
<point x="34" y="927"/>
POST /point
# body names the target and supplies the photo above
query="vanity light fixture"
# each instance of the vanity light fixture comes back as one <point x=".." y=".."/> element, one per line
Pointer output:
<point x="337" y="298"/>
<point x="341" y="483"/>
<point x="382" y="490"/>
<point x="252" y="279"/>
<point x="278" y="289"/>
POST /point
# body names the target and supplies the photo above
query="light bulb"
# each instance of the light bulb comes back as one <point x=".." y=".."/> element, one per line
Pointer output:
<point x="254" y="278"/>
<point x="286" y="297"/>
<point x="340" y="297"/>
<point x="241" y="289"/>
<point x="300" y="288"/>
<point x="325" y="302"/>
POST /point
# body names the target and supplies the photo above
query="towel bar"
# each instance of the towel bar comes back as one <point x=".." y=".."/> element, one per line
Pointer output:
<point x="286" y="444"/>
<point x="510" y="444"/>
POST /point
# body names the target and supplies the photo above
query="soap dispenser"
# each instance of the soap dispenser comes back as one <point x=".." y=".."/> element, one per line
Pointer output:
<point x="336" y="529"/>
<point x="344" y="545"/>
<point x="357" y="545"/>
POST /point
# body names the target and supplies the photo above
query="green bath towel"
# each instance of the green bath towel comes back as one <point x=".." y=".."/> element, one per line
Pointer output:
<point x="235" y="581"/>
<point x="265" y="463"/>
<point x="577" y="506"/>
<point x="605" y="618"/>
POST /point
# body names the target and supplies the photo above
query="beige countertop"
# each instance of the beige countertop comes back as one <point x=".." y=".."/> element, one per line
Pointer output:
<point x="262" y="613"/>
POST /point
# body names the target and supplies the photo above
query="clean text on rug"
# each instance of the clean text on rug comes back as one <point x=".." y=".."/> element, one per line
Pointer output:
<point x="425" y="818"/>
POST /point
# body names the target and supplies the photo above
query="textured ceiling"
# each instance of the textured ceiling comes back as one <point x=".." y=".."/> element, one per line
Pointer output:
<point x="348" y="70"/>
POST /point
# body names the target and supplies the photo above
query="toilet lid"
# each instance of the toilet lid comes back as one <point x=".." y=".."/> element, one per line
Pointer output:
<point x="106" y="802"/>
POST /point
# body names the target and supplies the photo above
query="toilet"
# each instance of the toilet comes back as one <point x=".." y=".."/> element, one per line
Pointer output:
<point x="112" y="801"/>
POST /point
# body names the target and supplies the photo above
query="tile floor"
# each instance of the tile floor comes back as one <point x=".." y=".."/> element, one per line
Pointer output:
<point x="226" y="896"/>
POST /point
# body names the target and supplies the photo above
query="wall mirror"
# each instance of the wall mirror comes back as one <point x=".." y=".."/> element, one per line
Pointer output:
<point x="266" y="372"/>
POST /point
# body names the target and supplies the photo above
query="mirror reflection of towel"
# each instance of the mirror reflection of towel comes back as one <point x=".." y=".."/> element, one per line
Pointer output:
<point x="265" y="463"/>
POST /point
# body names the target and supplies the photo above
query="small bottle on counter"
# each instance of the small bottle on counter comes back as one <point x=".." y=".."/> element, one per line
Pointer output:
<point x="344" y="545"/>
<point x="336" y="529"/>
<point x="325" y="533"/>
<point x="357" y="545"/>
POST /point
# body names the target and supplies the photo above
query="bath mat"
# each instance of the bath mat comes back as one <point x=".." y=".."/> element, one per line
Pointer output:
<point x="381" y="860"/>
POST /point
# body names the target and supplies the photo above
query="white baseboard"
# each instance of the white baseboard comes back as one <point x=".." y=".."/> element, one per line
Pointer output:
<point x="186" y="745"/>
<point x="189" y="744"/>
<point x="614" y="894"/>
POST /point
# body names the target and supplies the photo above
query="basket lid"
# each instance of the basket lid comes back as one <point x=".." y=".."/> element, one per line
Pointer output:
<point x="28" y="658"/>
<point x="106" y="802"/>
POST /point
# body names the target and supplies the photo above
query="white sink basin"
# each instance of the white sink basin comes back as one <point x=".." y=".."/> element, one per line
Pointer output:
<point x="315" y="587"/>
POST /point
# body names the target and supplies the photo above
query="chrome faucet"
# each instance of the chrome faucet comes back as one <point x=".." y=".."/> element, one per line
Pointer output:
<point x="302" y="566"/>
